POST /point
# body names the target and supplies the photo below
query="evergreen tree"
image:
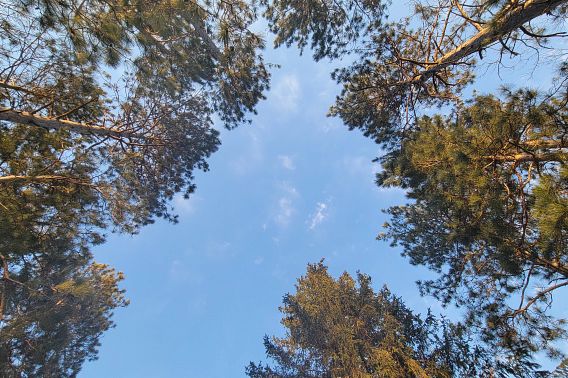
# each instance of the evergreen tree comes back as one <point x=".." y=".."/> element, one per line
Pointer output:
<point x="106" y="111"/>
<point x="342" y="328"/>
<point x="53" y="312"/>
<point x="143" y="126"/>
<point x="54" y="301"/>
<point x="561" y="370"/>
<point x="489" y="213"/>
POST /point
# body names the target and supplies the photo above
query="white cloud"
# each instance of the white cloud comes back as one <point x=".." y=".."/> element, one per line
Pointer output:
<point x="287" y="162"/>
<point x="320" y="214"/>
<point x="259" y="260"/>
<point x="285" y="209"/>
<point x="287" y="93"/>
<point x="197" y="305"/>
<point x="289" y="189"/>
<point x="329" y="124"/>
<point x="367" y="169"/>
<point x="180" y="272"/>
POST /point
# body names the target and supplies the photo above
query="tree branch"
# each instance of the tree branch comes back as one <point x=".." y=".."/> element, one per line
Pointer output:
<point x="537" y="260"/>
<point x="531" y="34"/>
<point x="41" y="178"/>
<point x="526" y="157"/>
<point x="26" y="118"/>
<point x="463" y="13"/>
<point x="544" y="143"/>
<point x="539" y="295"/>
<point x="492" y="33"/>
<point x="15" y="87"/>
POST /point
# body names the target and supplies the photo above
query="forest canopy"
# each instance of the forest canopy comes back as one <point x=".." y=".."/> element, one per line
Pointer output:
<point x="109" y="108"/>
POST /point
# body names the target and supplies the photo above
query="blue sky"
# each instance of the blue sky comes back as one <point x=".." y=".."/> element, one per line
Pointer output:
<point x="290" y="189"/>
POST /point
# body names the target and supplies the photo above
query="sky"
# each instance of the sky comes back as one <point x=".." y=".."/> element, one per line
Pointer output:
<point x="290" y="189"/>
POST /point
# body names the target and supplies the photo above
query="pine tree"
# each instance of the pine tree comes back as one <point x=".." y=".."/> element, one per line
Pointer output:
<point x="342" y="328"/>
<point x="561" y="370"/>
<point x="53" y="314"/>
<point x="129" y="88"/>
<point x="106" y="111"/>
<point x="489" y="213"/>
<point x="54" y="301"/>
<point x="489" y="181"/>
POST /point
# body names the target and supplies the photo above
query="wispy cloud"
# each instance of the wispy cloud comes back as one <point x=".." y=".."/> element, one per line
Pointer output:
<point x="285" y="205"/>
<point x="363" y="167"/>
<point x="328" y="126"/>
<point x="320" y="214"/>
<point x="181" y="272"/>
<point x="285" y="211"/>
<point x="287" y="93"/>
<point x="287" y="162"/>
<point x="178" y="271"/>
<point x="220" y="250"/>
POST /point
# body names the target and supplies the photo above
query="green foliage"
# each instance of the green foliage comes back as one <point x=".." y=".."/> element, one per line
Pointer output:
<point x="551" y="212"/>
<point x="330" y="27"/>
<point x="146" y="128"/>
<point x="53" y="314"/>
<point x="489" y="213"/>
<point x="342" y="328"/>
<point x="54" y="302"/>
<point x="488" y="181"/>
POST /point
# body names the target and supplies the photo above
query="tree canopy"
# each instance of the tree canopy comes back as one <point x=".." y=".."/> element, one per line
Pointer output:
<point x="142" y="127"/>
<point x="561" y="370"/>
<point x="54" y="311"/>
<point x="54" y="301"/>
<point x="106" y="111"/>
<point x="342" y="328"/>
<point x="489" y="212"/>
